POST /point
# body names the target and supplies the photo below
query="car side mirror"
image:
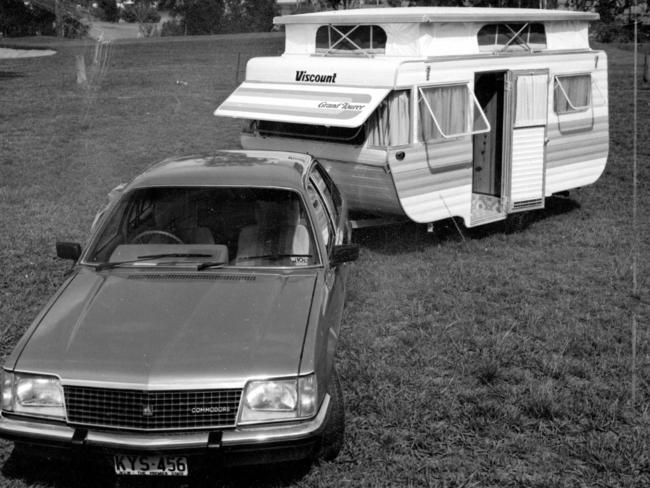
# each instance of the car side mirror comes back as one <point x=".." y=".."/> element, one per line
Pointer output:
<point x="68" y="250"/>
<point x="344" y="253"/>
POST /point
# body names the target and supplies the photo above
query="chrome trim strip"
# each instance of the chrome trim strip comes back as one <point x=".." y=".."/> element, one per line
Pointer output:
<point x="145" y="442"/>
<point x="26" y="430"/>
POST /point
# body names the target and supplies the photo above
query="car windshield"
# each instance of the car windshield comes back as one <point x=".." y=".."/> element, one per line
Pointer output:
<point x="206" y="227"/>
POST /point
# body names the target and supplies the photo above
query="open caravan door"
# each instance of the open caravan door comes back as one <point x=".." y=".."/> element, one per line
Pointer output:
<point x="525" y="170"/>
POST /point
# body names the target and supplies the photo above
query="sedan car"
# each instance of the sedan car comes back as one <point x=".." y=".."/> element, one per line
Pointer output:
<point x="200" y="322"/>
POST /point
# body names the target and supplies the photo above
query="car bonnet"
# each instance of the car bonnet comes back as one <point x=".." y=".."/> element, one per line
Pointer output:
<point x="156" y="329"/>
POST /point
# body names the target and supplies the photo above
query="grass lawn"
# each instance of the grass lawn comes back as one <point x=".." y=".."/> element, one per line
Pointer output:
<point x="502" y="358"/>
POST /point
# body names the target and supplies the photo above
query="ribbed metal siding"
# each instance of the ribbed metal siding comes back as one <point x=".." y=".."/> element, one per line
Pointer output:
<point x="151" y="410"/>
<point x="527" y="172"/>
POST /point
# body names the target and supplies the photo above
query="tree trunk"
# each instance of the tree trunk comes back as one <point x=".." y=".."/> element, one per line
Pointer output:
<point x="58" y="13"/>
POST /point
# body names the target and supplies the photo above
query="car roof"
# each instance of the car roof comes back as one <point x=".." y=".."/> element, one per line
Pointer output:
<point x="275" y="169"/>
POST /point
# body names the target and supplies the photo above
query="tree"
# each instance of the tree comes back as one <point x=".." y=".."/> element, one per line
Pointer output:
<point x="15" y="18"/>
<point x="259" y="14"/>
<point x="109" y="10"/>
<point x="39" y="17"/>
<point x="234" y="17"/>
<point x="201" y="16"/>
<point x="145" y="14"/>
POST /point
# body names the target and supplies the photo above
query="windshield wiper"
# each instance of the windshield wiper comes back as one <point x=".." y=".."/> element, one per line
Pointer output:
<point x="210" y="264"/>
<point x="176" y="255"/>
<point x="114" y="264"/>
<point x="275" y="257"/>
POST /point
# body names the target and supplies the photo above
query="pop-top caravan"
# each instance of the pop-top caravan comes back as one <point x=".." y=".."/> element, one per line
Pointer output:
<point x="435" y="112"/>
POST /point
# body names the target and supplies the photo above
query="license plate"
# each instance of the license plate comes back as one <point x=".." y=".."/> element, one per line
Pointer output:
<point x="150" y="465"/>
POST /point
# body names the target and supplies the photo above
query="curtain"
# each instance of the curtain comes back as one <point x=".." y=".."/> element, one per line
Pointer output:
<point x="449" y="108"/>
<point x="532" y="100"/>
<point x="390" y="124"/>
<point x="572" y="93"/>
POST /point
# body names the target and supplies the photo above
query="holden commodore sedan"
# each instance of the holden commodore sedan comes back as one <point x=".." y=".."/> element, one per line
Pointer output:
<point x="199" y="323"/>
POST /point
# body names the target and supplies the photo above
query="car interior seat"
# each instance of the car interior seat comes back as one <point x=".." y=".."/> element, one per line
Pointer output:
<point x="278" y="230"/>
<point x="179" y="218"/>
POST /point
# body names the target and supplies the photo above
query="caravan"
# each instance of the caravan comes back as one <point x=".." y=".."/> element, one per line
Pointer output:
<point x="433" y="112"/>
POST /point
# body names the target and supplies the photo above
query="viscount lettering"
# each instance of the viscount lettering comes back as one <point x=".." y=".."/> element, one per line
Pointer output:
<point x="315" y="78"/>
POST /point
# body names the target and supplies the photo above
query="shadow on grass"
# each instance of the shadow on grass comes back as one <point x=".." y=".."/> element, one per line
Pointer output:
<point x="9" y="75"/>
<point x="63" y="473"/>
<point x="410" y="236"/>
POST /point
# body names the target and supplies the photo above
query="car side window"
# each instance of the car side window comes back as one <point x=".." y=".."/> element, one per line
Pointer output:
<point x="328" y="191"/>
<point x="323" y="222"/>
<point x="331" y="197"/>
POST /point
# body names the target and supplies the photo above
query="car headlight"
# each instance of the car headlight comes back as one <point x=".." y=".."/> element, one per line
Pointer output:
<point x="32" y="394"/>
<point x="281" y="399"/>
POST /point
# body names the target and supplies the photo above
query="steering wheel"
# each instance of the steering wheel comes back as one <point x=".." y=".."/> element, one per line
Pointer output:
<point x="164" y="233"/>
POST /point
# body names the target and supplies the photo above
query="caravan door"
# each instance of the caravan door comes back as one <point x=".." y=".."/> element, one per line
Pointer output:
<point x="488" y="149"/>
<point x="525" y="164"/>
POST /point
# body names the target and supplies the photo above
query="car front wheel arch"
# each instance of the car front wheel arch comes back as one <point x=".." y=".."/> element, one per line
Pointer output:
<point x="333" y="435"/>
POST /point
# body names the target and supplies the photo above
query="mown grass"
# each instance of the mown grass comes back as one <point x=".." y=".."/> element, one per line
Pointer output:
<point x="497" y="356"/>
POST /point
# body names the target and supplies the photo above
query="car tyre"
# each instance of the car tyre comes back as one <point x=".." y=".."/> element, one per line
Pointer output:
<point x="333" y="436"/>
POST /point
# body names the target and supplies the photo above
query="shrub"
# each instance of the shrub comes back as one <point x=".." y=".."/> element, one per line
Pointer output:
<point x="142" y="13"/>
<point x="172" y="28"/>
<point x="619" y="32"/>
<point x="74" y="29"/>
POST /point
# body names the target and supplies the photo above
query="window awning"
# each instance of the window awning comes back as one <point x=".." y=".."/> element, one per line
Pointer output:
<point x="337" y="106"/>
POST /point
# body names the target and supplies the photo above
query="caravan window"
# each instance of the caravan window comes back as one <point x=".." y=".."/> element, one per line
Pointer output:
<point x="348" y="39"/>
<point x="511" y="37"/>
<point x="390" y="124"/>
<point x="342" y="135"/>
<point x="449" y="111"/>
<point x="572" y="94"/>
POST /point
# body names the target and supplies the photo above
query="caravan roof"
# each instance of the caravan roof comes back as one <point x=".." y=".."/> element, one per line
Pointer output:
<point x="434" y="14"/>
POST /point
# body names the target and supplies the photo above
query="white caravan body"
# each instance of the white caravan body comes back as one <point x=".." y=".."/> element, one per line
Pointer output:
<point x="435" y="112"/>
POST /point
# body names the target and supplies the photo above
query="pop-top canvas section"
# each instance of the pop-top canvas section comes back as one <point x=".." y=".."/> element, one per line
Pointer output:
<point x="434" y="32"/>
<point x="362" y="40"/>
<point x="512" y="37"/>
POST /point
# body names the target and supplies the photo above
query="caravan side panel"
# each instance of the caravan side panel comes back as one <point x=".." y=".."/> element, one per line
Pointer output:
<point x="361" y="174"/>
<point x="366" y="187"/>
<point x="434" y="181"/>
<point x="578" y="144"/>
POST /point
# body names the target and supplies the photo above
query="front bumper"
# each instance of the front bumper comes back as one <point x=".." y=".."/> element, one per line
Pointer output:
<point x="242" y="445"/>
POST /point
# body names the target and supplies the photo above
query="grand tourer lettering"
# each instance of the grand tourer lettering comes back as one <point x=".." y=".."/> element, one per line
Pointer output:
<point x="342" y="106"/>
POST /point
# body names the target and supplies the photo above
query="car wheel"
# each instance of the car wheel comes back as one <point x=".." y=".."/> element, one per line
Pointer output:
<point x="334" y="433"/>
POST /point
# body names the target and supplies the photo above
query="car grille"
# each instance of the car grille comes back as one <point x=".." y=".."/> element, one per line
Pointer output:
<point x="151" y="410"/>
